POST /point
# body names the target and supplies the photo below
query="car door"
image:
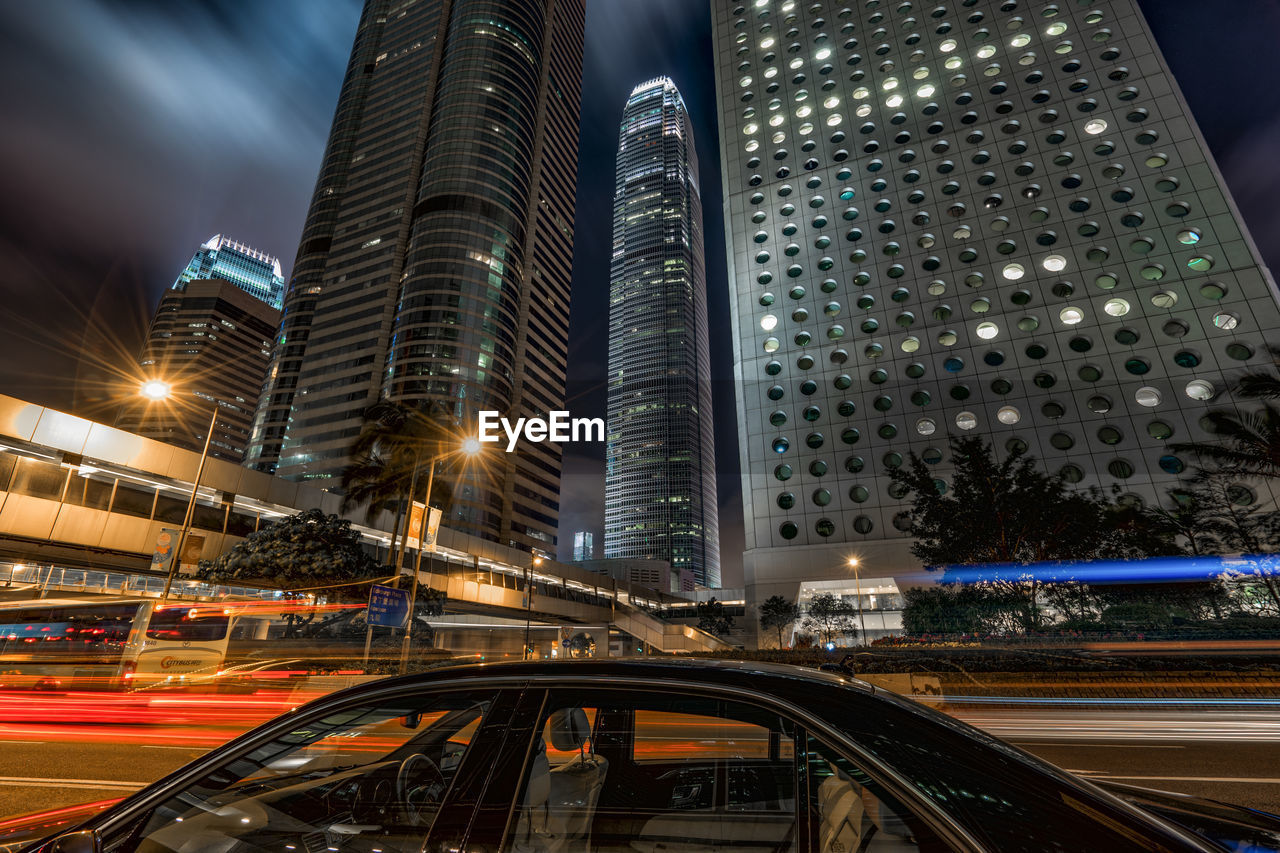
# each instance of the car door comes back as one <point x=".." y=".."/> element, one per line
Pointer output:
<point x="397" y="770"/>
<point x="641" y="770"/>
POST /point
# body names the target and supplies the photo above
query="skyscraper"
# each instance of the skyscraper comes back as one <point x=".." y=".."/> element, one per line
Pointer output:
<point x="211" y="341"/>
<point x="660" y="486"/>
<point x="584" y="546"/>
<point x="978" y="217"/>
<point x="435" y="259"/>
<point x="252" y="271"/>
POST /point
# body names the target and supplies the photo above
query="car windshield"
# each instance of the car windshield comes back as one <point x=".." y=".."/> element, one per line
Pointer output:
<point x="372" y="774"/>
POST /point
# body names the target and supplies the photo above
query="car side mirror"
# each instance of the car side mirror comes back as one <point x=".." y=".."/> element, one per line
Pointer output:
<point x="84" y="841"/>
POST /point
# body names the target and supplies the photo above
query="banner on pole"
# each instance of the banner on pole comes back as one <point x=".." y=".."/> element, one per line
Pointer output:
<point x="192" y="548"/>
<point x="433" y="530"/>
<point x="413" y="537"/>
<point x="166" y="543"/>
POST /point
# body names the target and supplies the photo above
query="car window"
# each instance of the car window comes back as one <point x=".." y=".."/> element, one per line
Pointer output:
<point x="371" y="776"/>
<point x="647" y="773"/>
<point x="999" y="794"/>
<point x="849" y="811"/>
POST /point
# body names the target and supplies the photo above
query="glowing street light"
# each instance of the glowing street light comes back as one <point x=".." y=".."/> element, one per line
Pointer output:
<point x="157" y="390"/>
<point x="858" y="587"/>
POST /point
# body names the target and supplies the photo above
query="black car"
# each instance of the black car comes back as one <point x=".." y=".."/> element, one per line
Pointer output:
<point x="643" y="756"/>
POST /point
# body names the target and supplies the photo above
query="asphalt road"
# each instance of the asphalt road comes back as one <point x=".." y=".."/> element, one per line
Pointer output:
<point x="1227" y="755"/>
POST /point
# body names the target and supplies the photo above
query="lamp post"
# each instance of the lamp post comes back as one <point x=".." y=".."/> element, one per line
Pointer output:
<point x="528" y="602"/>
<point x="156" y="390"/>
<point x="857" y="581"/>
<point x="470" y="447"/>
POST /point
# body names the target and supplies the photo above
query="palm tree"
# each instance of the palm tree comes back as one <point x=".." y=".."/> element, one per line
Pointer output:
<point x="1261" y="384"/>
<point x="387" y="458"/>
<point x="1249" y="442"/>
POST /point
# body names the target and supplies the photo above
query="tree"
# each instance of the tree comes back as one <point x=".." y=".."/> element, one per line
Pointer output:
<point x="713" y="619"/>
<point x="830" y="616"/>
<point x="1248" y="442"/>
<point x="307" y="551"/>
<point x="395" y="441"/>
<point x="1006" y="512"/>
<point x="776" y="613"/>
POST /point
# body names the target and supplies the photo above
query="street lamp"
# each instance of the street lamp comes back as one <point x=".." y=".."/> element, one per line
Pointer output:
<point x="157" y="390"/>
<point x="470" y="447"/>
<point x="528" y="602"/>
<point x="857" y="580"/>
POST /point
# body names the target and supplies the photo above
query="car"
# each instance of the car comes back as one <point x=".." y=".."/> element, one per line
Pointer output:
<point x="647" y="755"/>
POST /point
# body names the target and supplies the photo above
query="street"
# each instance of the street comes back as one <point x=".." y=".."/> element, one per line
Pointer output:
<point x="1226" y="755"/>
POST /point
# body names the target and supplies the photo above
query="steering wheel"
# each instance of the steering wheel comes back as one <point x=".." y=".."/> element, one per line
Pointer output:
<point x="420" y="788"/>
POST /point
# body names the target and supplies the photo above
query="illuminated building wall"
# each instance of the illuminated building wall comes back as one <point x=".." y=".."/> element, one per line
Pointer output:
<point x="435" y="260"/>
<point x="660" y="489"/>
<point x="210" y="341"/>
<point x="971" y="218"/>
<point x="252" y="271"/>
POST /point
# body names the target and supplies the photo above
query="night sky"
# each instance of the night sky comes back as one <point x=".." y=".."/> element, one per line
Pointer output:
<point x="133" y="131"/>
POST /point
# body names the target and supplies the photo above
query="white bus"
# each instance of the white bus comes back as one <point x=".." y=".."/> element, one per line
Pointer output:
<point x="93" y="644"/>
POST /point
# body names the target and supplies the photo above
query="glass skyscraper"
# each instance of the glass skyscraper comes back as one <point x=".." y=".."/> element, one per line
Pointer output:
<point x="967" y="217"/>
<point x="660" y="488"/>
<point x="254" y="272"/>
<point x="435" y="259"/>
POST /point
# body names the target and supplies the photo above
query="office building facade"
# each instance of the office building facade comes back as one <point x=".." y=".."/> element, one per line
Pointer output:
<point x="971" y="218"/>
<point x="660" y="489"/>
<point x="210" y="340"/>
<point x="254" y="272"/>
<point x="435" y="260"/>
<point x="584" y="546"/>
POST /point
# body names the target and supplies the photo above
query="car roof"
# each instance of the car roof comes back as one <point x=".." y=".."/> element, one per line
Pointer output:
<point x="781" y="680"/>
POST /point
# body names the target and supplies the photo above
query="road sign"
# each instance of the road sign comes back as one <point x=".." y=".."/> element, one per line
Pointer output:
<point x="388" y="606"/>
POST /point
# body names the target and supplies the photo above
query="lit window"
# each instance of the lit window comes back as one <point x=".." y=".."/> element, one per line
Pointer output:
<point x="952" y="64"/>
<point x="1164" y="299"/>
<point x="1116" y="307"/>
<point x="779" y="137"/>
<point x="1188" y="236"/>
<point x="889" y="84"/>
<point x="925" y="91"/>
<point x="1070" y="315"/>
<point x="861" y="92"/>
<point x="1200" y="389"/>
<point x="767" y="43"/>
<point x="987" y="331"/>
<point x="1057" y="28"/>
<point x="894" y="101"/>
<point x="795" y="63"/>
<point x="751" y="128"/>
<point x="1008" y="415"/>
<point x="770" y="72"/>
<point x="1095" y="126"/>
<point x="1200" y="263"/>
<point x="831" y="103"/>
<point x="1020" y="40"/>
<point x="1225" y="320"/>
<point x="920" y="73"/>
<point x="834" y="119"/>
<point x="863" y="110"/>
<point x="1054" y="263"/>
<point x="986" y="51"/>
<point x="745" y="81"/>
<point x="926" y="426"/>
<point x="1013" y="272"/>
<point x="966" y="420"/>
<point x="911" y="344"/>
<point x="752" y="146"/>
<point x="771" y="344"/>
<point x="823" y="54"/>
<point x="947" y="46"/>
<point x="804" y="111"/>
<point x="768" y="322"/>
<point x="776" y="120"/>
<point x="1147" y="396"/>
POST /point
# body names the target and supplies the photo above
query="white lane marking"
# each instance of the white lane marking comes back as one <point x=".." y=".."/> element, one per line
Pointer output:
<point x="1240" y="780"/>
<point x="1024" y="743"/>
<point x="45" y="782"/>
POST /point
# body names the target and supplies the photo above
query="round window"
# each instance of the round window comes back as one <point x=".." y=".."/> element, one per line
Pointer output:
<point x="966" y="420"/>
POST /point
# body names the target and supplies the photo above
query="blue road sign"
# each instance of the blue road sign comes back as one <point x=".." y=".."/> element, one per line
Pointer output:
<point x="388" y="606"/>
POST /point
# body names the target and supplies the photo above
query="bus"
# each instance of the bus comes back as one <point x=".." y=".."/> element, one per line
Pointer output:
<point x="116" y="643"/>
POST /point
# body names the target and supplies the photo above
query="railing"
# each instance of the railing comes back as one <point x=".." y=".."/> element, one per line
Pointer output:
<point x="102" y="582"/>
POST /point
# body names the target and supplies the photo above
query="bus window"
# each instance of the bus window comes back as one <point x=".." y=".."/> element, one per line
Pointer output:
<point x="187" y="624"/>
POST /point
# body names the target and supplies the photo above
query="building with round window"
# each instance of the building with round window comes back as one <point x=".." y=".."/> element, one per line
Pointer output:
<point x="964" y="217"/>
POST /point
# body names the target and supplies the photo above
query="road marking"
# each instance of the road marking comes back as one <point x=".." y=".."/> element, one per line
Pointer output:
<point x="1243" y="781"/>
<point x="40" y="782"/>
<point x="1023" y="743"/>
<point x="24" y="741"/>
